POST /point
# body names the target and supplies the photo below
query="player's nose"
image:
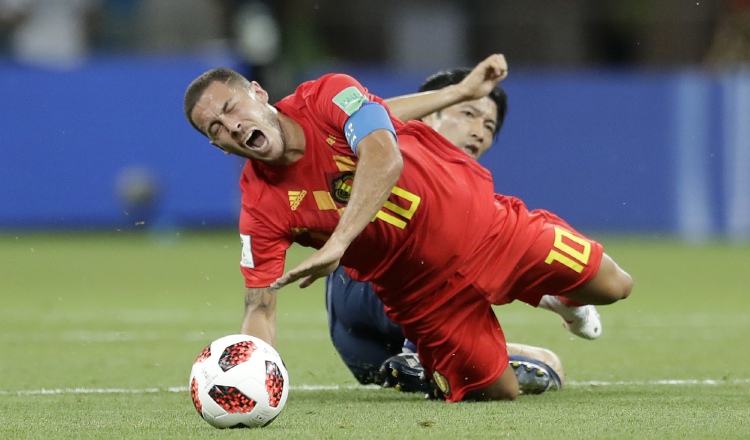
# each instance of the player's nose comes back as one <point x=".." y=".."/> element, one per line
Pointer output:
<point x="477" y="132"/>
<point x="234" y="124"/>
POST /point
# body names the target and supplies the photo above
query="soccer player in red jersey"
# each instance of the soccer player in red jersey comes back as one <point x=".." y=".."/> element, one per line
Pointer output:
<point x="398" y="205"/>
<point x="370" y="344"/>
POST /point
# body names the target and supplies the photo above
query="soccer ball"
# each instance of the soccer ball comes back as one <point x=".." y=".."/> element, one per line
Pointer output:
<point x="239" y="381"/>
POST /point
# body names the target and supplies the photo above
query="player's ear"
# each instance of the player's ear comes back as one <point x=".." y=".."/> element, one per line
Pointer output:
<point x="258" y="91"/>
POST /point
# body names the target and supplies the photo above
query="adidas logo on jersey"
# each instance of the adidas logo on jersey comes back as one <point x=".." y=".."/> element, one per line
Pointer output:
<point x="295" y="198"/>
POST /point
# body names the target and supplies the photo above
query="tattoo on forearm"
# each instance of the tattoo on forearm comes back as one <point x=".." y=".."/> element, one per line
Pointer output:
<point x="258" y="298"/>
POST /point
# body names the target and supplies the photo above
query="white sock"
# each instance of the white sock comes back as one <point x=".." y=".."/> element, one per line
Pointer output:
<point x="551" y="303"/>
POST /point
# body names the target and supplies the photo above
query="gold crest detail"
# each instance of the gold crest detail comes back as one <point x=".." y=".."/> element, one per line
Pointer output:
<point x="442" y="383"/>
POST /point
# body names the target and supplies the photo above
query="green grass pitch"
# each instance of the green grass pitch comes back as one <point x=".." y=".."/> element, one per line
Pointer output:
<point x="98" y="333"/>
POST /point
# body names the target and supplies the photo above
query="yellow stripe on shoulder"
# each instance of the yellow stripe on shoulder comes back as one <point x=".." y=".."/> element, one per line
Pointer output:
<point x="344" y="163"/>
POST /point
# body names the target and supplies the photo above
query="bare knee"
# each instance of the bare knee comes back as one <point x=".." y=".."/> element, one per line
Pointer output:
<point x="618" y="284"/>
<point x="490" y="393"/>
<point x="625" y="285"/>
<point x="504" y="388"/>
<point x="609" y="285"/>
<point x="615" y="288"/>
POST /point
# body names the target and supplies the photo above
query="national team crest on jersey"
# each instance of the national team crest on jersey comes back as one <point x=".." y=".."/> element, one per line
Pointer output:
<point x="341" y="187"/>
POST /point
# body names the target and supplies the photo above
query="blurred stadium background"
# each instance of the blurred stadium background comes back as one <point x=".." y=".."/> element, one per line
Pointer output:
<point x="630" y="119"/>
<point x="625" y="117"/>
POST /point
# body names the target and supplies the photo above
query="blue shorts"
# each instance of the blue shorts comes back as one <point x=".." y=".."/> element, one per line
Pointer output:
<point x="360" y="331"/>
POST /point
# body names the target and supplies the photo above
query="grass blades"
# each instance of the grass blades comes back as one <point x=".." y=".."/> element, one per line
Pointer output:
<point x="120" y="317"/>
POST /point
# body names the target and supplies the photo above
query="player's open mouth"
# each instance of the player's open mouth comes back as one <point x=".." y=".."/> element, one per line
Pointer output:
<point x="256" y="141"/>
<point x="472" y="150"/>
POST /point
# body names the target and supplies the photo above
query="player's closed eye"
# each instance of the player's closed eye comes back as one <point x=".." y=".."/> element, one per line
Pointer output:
<point x="213" y="130"/>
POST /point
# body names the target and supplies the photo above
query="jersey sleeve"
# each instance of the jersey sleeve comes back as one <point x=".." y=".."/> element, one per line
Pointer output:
<point x="348" y="108"/>
<point x="263" y="257"/>
<point x="336" y="97"/>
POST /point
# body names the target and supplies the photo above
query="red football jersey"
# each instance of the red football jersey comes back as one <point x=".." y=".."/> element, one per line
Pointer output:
<point x="432" y="221"/>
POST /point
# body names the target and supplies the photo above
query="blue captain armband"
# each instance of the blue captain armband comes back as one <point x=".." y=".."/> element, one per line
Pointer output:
<point x="370" y="117"/>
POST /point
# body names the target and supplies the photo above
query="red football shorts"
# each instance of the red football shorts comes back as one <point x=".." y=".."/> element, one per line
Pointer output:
<point x="461" y="344"/>
<point x="528" y="255"/>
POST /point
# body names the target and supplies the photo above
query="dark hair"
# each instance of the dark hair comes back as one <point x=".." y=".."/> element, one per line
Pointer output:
<point x="449" y="77"/>
<point x="199" y="85"/>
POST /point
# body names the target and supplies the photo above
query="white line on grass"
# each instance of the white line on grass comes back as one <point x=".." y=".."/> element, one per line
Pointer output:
<point x="593" y="383"/>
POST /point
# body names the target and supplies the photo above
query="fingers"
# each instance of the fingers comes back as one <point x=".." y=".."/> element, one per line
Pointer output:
<point x="307" y="281"/>
<point x="497" y="67"/>
<point x="498" y="60"/>
<point x="294" y="275"/>
<point x="289" y="278"/>
<point x="316" y="266"/>
<point x="280" y="282"/>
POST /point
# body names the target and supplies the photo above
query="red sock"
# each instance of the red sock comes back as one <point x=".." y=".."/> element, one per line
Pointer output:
<point x="569" y="302"/>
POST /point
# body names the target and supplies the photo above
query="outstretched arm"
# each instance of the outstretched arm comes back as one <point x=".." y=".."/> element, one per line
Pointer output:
<point x="478" y="84"/>
<point x="260" y="314"/>
<point x="378" y="170"/>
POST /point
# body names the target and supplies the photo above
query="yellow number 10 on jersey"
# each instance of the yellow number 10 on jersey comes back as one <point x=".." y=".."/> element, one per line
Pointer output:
<point x="404" y="214"/>
<point x="568" y="255"/>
